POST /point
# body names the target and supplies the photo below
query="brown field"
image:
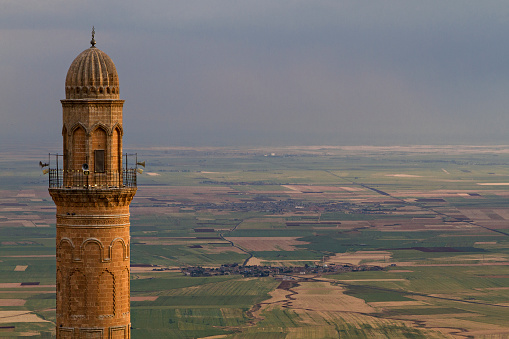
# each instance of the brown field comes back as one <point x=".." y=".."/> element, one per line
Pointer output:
<point x="277" y="296"/>
<point x="262" y="220"/>
<point x="317" y="188"/>
<point x="403" y="175"/>
<point x="322" y="296"/>
<point x="353" y="224"/>
<point x="29" y="256"/>
<point x="12" y="302"/>
<point x="397" y="303"/>
<point x="10" y="285"/>
<point x="18" y="285"/>
<point x="288" y="263"/>
<point x="143" y="270"/>
<point x="352" y="189"/>
<point x="502" y="212"/>
<point x="319" y="305"/>
<point x="19" y="317"/>
<point x="254" y="261"/>
<point x="470" y="328"/>
<point x="361" y="280"/>
<point x="266" y="243"/>
<point x="470" y="264"/>
<point x="20" y="268"/>
<point x="493" y="183"/>
<point x="26" y="292"/>
<point x="221" y="249"/>
<point x="487" y="258"/>
<point x="474" y="214"/>
<point x="356" y="258"/>
<point x="401" y="271"/>
<point x="144" y="298"/>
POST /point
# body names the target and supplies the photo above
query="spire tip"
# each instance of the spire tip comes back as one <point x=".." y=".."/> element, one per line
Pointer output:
<point x="92" y="42"/>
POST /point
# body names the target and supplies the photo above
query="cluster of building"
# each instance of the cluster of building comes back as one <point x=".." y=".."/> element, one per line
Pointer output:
<point x="274" y="271"/>
<point x="278" y="206"/>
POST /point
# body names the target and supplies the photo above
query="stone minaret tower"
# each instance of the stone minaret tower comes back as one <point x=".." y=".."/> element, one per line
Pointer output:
<point x="92" y="191"/>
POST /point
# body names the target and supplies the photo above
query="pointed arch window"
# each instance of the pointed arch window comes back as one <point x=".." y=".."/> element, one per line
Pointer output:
<point x="99" y="161"/>
<point x="99" y="144"/>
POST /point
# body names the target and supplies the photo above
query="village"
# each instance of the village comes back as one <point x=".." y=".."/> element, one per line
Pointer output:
<point x="279" y="272"/>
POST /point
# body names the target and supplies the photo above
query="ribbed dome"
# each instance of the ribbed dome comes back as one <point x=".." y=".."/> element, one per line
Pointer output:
<point x="92" y="75"/>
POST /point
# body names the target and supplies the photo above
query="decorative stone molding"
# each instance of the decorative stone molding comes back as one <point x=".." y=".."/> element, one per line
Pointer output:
<point x="124" y="247"/>
<point x="123" y="329"/>
<point x="65" y="332"/>
<point x="93" y="241"/>
<point x="105" y="316"/>
<point x="111" y="197"/>
<point x="77" y="316"/>
<point x="82" y="292"/>
<point x="63" y="241"/>
<point x="92" y="221"/>
<point x="86" y="332"/>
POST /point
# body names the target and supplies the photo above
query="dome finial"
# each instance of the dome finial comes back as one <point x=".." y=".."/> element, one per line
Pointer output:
<point x="92" y="42"/>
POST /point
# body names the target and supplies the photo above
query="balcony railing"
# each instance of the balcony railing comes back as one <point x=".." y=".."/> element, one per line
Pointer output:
<point x="77" y="179"/>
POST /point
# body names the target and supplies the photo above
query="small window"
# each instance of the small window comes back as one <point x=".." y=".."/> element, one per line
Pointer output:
<point x="99" y="161"/>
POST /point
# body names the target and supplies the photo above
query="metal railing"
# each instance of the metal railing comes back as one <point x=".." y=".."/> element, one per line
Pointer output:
<point x="77" y="179"/>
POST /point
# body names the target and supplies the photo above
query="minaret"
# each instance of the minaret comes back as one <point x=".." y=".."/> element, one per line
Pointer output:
<point x="92" y="189"/>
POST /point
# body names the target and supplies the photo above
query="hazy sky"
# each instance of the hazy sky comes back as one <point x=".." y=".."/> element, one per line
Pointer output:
<point x="267" y="72"/>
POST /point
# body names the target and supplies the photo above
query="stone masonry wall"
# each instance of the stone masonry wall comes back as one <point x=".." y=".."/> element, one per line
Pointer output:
<point x="93" y="245"/>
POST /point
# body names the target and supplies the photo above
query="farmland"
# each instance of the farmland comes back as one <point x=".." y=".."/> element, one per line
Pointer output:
<point x="435" y="218"/>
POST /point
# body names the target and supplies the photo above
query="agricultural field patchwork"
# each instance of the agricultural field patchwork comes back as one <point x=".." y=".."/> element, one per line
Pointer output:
<point x="368" y="242"/>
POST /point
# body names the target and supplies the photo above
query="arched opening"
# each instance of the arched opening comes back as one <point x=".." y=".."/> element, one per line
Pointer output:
<point x="60" y="292"/>
<point x="65" y="148"/>
<point x="118" y="250"/>
<point x="92" y="252"/>
<point x="99" y="139"/>
<point x="106" y="294"/>
<point x="122" y="304"/>
<point x="79" y="154"/>
<point x="116" y="148"/>
<point x="77" y="293"/>
<point x="65" y="252"/>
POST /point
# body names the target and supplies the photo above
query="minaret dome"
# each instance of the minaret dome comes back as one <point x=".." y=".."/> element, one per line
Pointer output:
<point x="92" y="75"/>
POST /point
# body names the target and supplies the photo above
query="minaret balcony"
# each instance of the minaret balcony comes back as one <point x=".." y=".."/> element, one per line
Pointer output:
<point x="79" y="179"/>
